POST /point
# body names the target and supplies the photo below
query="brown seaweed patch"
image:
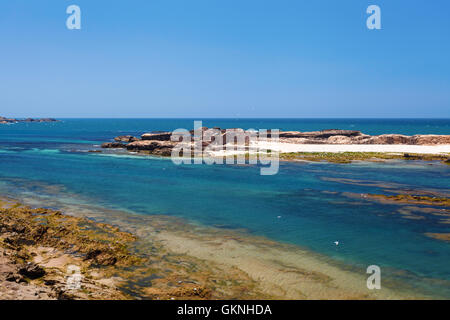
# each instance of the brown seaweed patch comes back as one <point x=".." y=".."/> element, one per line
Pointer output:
<point x="348" y="157"/>
<point x="416" y="199"/>
<point x="366" y="183"/>
<point x="439" y="236"/>
<point x="407" y="211"/>
<point x="438" y="212"/>
<point x="391" y="187"/>
<point x="100" y="244"/>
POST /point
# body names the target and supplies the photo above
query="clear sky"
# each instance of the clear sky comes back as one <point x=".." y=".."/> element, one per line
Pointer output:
<point x="225" y="58"/>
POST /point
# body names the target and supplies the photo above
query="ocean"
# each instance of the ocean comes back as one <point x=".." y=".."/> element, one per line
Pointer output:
<point x="310" y="205"/>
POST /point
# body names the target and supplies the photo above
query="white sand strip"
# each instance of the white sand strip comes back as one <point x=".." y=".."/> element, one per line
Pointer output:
<point x="388" y="148"/>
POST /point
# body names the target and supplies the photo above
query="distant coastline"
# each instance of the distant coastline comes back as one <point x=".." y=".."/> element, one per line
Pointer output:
<point x="4" y="120"/>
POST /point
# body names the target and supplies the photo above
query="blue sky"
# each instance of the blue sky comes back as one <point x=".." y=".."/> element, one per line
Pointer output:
<point x="225" y="58"/>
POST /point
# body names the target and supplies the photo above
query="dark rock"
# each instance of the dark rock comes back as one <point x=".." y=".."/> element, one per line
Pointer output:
<point x="100" y="257"/>
<point x="6" y="120"/>
<point x="323" y="134"/>
<point x="31" y="270"/>
<point x="14" y="277"/>
<point x="163" y="148"/>
<point x="91" y="254"/>
<point x="159" y="136"/>
<point x="126" y="139"/>
<point x="113" y="145"/>
<point x="50" y="282"/>
<point x="106" y="259"/>
<point x="63" y="295"/>
<point x="47" y="120"/>
<point x="18" y="228"/>
<point x="39" y="232"/>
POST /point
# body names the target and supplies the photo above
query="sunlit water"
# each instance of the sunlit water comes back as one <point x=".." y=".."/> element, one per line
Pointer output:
<point x="300" y="205"/>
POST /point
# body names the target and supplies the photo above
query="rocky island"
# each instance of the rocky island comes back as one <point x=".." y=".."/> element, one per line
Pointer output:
<point x="348" y="144"/>
<point x="4" y="120"/>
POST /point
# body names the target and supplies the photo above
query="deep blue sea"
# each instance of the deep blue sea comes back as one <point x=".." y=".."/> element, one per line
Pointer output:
<point x="306" y="204"/>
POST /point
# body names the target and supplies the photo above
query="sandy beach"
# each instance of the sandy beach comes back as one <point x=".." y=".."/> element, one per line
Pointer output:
<point x="283" y="147"/>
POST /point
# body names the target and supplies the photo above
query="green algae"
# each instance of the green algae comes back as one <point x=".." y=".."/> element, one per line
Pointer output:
<point x="348" y="157"/>
<point x="416" y="199"/>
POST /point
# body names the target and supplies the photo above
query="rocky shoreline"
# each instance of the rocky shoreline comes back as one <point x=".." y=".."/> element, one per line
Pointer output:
<point x="4" y="120"/>
<point x="162" y="144"/>
<point x="40" y="247"/>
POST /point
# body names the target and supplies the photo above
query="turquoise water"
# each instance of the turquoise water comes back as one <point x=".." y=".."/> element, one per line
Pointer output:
<point x="307" y="204"/>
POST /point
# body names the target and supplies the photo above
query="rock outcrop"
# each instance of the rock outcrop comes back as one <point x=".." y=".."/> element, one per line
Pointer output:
<point x="126" y="139"/>
<point x="113" y="145"/>
<point x="37" y="246"/>
<point x="45" y="254"/>
<point x="357" y="137"/>
<point x="160" y="143"/>
<point x="323" y="134"/>
<point x="160" y="136"/>
<point x="31" y="270"/>
<point x="157" y="147"/>
<point x="430" y="139"/>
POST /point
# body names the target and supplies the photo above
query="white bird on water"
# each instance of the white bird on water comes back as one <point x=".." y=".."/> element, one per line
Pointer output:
<point x="336" y="243"/>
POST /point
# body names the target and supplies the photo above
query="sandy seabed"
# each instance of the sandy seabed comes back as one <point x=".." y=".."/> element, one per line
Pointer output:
<point x="277" y="270"/>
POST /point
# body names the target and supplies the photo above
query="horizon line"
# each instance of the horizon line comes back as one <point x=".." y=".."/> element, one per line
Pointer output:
<point x="238" y="118"/>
